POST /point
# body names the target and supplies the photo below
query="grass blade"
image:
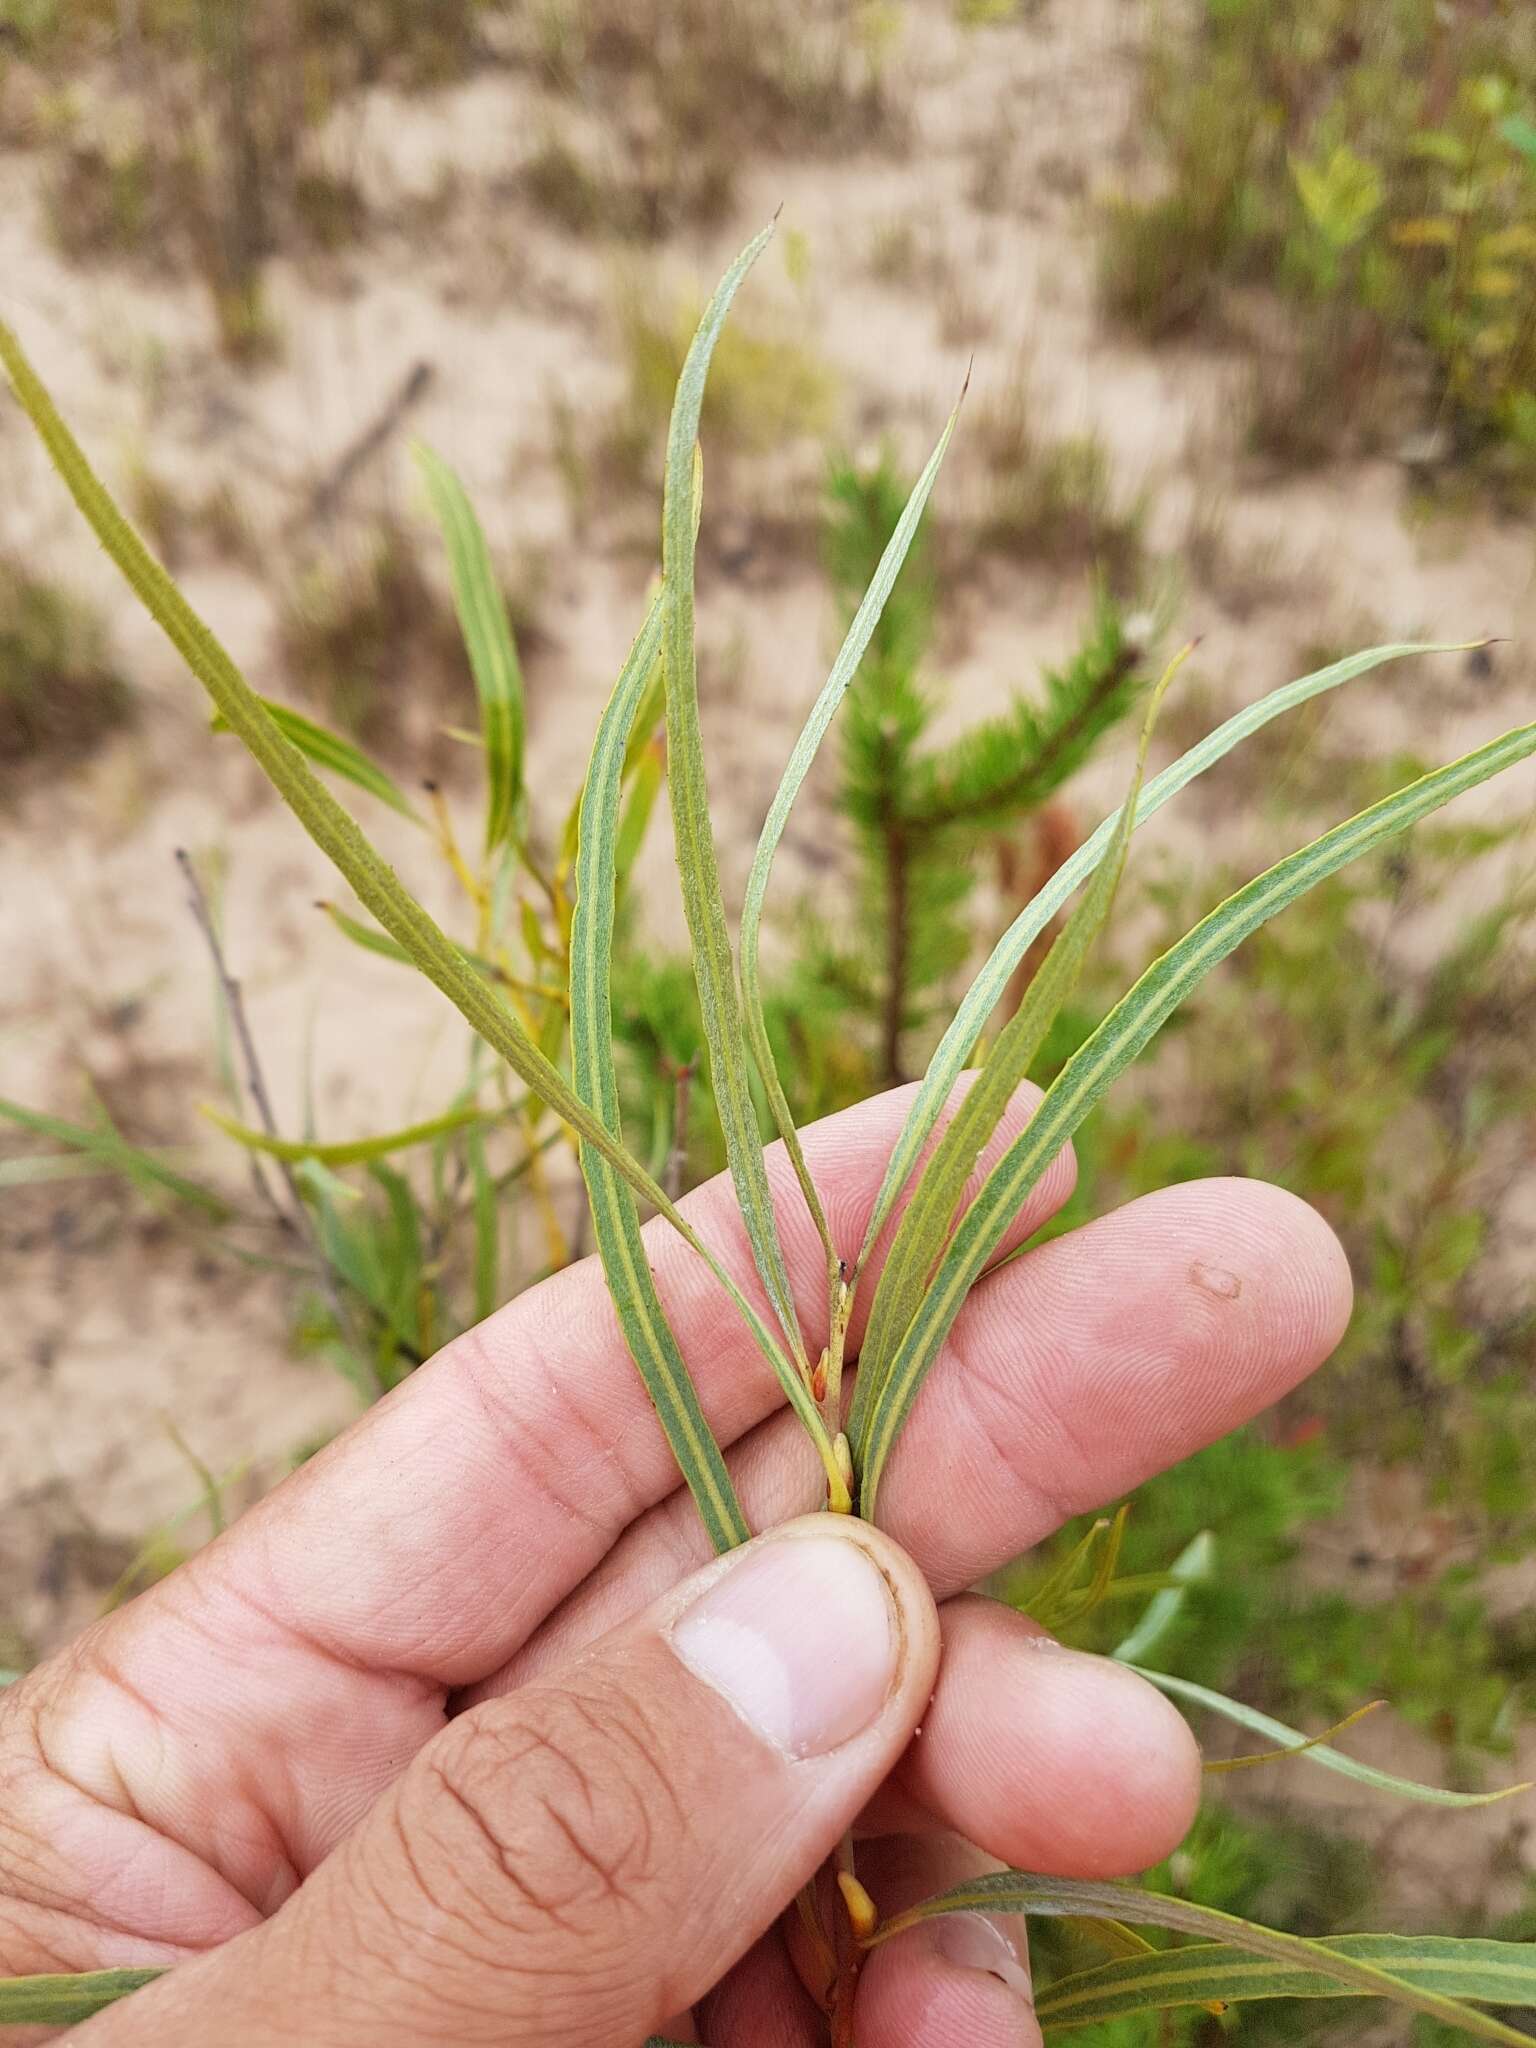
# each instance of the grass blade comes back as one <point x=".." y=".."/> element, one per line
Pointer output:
<point x="959" y="1041"/>
<point x="714" y="968"/>
<point x="110" y="1152"/>
<point x="1488" y="1972"/>
<point x="926" y="1221"/>
<point x="1186" y="1691"/>
<point x="1013" y="1891"/>
<point x="64" y="2001"/>
<point x="328" y="749"/>
<point x="615" y="1222"/>
<point x="331" y="827"/>
<point x="1133" y="1022"/>
<point x="352" y="1151"/>
<point x="823" y="711"/>
<point x="1193" y="1563"/>
<point x="487" y="631"/>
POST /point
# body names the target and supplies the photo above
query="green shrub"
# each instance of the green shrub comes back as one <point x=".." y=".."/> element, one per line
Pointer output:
<point x="1375" y="163"/>
<point x="60" y="692"/>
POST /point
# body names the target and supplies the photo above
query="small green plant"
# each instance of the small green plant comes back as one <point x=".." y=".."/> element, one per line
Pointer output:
<point x="1380" y="168"/>
<point x="60" y="692"/>
<point x="369" y="640"/>
<point x="926" y="817"/>
<point x="941" y="1245"/>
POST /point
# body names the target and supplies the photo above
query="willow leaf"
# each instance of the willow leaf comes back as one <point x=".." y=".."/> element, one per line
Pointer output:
<point x="112" y="1153"/>
<point x="349" y="1151"/>
<point x="823" y="711"/>
<point x="959" y="1041"/>
<point x="1013" y="1891"/>
<point x="642" y="789"/>
<point x="927" y="1218"/>
<point x="1192" y="1564"/>
<point x="1130" y="1025"/>
<point x="1485" y="1972"/>
<point x="331" y="827"/>
<point x="328" y="749"/>
<point x="487" y="631"/>
<point x="714" y="968"/>
<point x="615" y="1221"/>
<point x="63" y="2001"/>
<point x="1185" y="1690"/>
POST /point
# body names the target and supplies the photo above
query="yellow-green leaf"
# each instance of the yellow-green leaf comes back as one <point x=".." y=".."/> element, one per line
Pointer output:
<point x="328" y="749"/>
<point x="1014" y="1891"/>
<point x="488" y="637"/>
<point x="615" y="1222"/>
<point x="714" y="968"/>
<point x="1484" y="1972"/>
<point x="63" y="2001"/>
<point x="350" y="1151"/>
<point x="1186" y="1691"/>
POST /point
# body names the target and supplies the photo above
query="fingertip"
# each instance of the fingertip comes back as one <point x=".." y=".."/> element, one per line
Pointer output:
<point x="1309" y="1259"/>
<point x="1048" y="1758"/>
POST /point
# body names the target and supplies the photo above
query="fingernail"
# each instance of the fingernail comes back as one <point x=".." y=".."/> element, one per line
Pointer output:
<point x="972" y="1942"/>
<point x="801" y="1637"/>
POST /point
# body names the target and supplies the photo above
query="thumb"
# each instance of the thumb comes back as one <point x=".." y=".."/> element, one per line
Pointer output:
<point x="574" y="1862"/>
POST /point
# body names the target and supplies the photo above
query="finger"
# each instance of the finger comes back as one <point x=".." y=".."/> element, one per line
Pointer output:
<point x="1070" y="1376"/>
<point x="959" y="1982"/>
<point x="762" y="2004"/>
<point x="1047" y="1758"/>
<point x="575" y="1862"/>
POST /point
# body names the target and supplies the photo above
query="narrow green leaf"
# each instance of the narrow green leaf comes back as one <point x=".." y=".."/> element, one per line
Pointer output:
<point x="1192" y="1564"/>
<point x="65" y="2001"/>
<point x="487" y="631"/>
<point x="487" y="1231"/>
<point x="615" y="1222"/>
<point x="1133" y="1022"/>
<point x="1013" y="1891"/>
<point x="328" y="749"/>
<point x="368" y="936"/>
<point x="351" y="1151"/>
<point x="400" y="1259"/>
<point x="823" y="711"/>
<point x="331" y="827"/>
<point x="1486" y="1972"/>
<point x="1186" y="1690"/>
<point x="956" y="1046"/>
<point x="714" y="969"/>
<point x="643" y="788"/>
<point x="113" y="1154"/>
<point x="42" y="1168"/>
<point x="926" y="1220"/>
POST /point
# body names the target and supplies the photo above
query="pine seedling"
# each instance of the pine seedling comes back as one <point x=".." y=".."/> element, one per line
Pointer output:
<point x="926" y="816"/>
<point x="943" y="1244"/>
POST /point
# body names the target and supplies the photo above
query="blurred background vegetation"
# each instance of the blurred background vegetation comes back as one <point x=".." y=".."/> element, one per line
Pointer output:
<point x="1251" y="296"/>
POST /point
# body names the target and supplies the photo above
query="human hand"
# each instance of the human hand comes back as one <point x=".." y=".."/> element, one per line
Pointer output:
<point x="458" y="1738"/>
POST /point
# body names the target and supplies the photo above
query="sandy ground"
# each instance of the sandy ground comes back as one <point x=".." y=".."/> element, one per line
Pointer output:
<point x="115" y="1319"/>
